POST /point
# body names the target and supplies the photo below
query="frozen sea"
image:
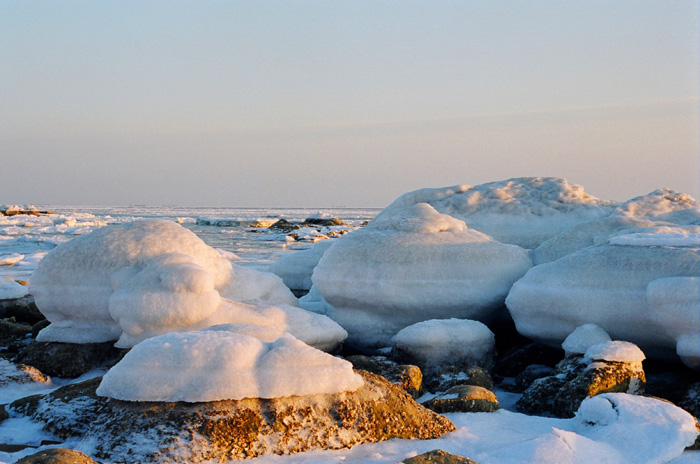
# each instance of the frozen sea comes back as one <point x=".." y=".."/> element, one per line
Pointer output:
<point x="502" y="437"/>
<point x="25" y="239"/>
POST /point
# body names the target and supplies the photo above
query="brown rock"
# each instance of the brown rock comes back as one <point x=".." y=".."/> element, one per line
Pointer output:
<point x="464" y="398"/>
<point x="56" y="456"/>
<point x="229" y="430"/>
<point x="438" y="457"/>
<point x="68" y="360"/>
<point x="453" y="376"/>
<point x="406" y="376"/>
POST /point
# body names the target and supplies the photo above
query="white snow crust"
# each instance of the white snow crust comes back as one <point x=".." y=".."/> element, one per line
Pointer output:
<point x="662" y="205"/>
<point x="583" y="338"/>
<point x="608" y="286"/>
<point x="220" y="365"/>
<point x="447" y="342"/>
<point x="10" y="290"/>
<point x="522" y="211"/>
<point x="414" y="265"/>
<point x="615" y="351"/>
<point x="296" y="268"/>
<point x="140" y="279"/>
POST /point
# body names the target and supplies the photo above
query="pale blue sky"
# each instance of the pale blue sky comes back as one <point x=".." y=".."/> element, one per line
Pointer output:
<point x="342" y="103"/>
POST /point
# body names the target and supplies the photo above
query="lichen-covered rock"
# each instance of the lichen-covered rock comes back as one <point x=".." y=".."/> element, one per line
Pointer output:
<point x="406" y="376"/>
<point x="19" y="373"/>
<point x="438" y="456"/>
<point x="56" y="456"/>
<point x="464" y="398"/>
<point x="453" y="376"/>
<point x="530" y="374"/>
<point x="232" y="429"/>
<point x="68" y="360"/>
<point x="575" y="379"/>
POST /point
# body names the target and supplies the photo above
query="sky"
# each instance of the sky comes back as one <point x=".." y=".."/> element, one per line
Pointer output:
<point x="342" y="103"/>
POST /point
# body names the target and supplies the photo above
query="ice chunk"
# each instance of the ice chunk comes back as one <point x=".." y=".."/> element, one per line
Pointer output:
<point x="248" y="284"/>
<point x="447" y="342"/>
<point x="523" y="211"/>
<point x="615" y="351"/>
<point x="642" y="429"/>
<point x="688" y="236"/>
<point x="607" y="286"/>
<point x="221" y="365"/>
<point x="9" y="260"/>
<point x="662" y="205"/>
<point x="296" y="268"/>
<point x="584" y="337"/>
<point x="411" y="266"/>
<point x="10" y="290"/>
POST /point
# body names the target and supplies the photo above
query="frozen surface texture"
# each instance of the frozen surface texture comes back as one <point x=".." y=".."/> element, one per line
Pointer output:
<point x="523" y="211"/>
<point x="296" y="268"/>
<point x="141" y="278"/>
<point x="584" y="337"/>
<point x="436" y="344"/>
<point x="222" y="365"/>
<point x="414" y="265"/>
<point x="616" y="351"/>
<point x="647" y="295"/>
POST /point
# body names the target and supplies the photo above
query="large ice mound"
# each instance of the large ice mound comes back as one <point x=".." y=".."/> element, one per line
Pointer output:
<point x="222" y="365"/>
<point x="647" y="293"/>
<point x="145" y="277"/>
<point x="523" y="211"/>
<point x="413" y="265"/>
<point x="295" y="269"/>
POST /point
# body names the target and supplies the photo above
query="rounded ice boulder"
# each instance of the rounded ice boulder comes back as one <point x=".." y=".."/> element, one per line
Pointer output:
<point x="411" y="266"/>
<point x="221" y="365"/>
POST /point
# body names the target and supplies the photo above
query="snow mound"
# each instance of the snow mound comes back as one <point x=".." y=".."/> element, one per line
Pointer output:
<point x="584" y="337"/>
<point x="411" y="266"/>
<point x="448" y="342"/>
<point x="220" y="365"/>
<point x="296" y="268"/>
<point x="522" y="211"/>
<point x="9" y="260"/>
<point x="262" y="333"/>
<point x="643" y="430"/>
<point x="11" y="290"/>
<point x="613" y="287"/>
<point x="688" y="236"/>
<point x="615" y="351"/>
<point x="662" y="205"/>
<point x="144" y="277"/>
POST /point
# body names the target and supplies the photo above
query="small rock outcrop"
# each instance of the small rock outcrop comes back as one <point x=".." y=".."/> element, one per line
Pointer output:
<point x="438" y="456"/>
<point x="56" y="456"/>
<point x="464" y="398"/>
<point x="22" y="309"/>
<point x="406" y="376"/>
<point x="68" y="360"/>
<point x="575" y="379"/>
<point x="232" y="429"/>
<point x="453" y="376"/>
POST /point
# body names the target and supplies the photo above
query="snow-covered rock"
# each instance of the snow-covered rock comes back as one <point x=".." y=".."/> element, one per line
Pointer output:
<point x="296" y="268"/>
<point x="11" y="290"/>
<point x="523" y="211"/>
<point x="414" y="265"/>
<point x="435" y="344"/>
<point x="584" y="337"/>
<point x="221" y="431"/>
<point x="144" y="277"/>
<point x="221" y="365"/>
<point x="615" y="351"/>
<point x="626" y="290"/>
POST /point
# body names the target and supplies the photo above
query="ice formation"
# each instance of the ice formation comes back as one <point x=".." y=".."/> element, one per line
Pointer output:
<point x="523" y="211"/>
<point x="447" y="342"/>
<point x="296" y="268"/>
<point x="414" y="265"/>
<point x="10" y="290"/>
<point x="614" y="351"/>
<point x="148" y="276"/>
<point x="647" y="295"/>
<point x="221" y="365"/>
<point x="584" y="337"/>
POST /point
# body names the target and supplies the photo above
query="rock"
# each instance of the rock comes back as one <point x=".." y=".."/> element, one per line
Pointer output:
<point x="574" y="380"/>
<point x="453" y="376"/>
<point x="9" y="329"/>
<point x="406" y="376"/>
<point x="39" y="326"/>
<point x="323" y="221"/>
<point x="11" y="373"/>
<point x="438" y="456"/>
<point x="56" y="456"/>
<point x="530" y="374"/>
<point x="22" y="309"/>
<point x="68" y="360"/>
<point x="516" y="360"/>
<point x="3" y="413"/>
<point x="284" y="226"/>
<point x="464" y="398"/>
<point x="690" y="400"/>
<point x="228" y="430"/>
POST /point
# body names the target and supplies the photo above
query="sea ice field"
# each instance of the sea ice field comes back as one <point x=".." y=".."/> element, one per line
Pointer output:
<point x="424" y="277"/>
